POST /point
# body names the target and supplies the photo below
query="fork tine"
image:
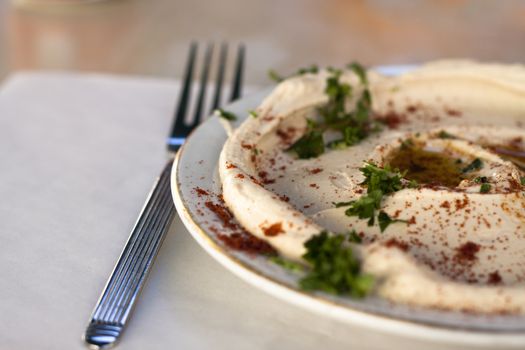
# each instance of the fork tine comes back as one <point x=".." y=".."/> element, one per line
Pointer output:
<point x="237" y="80"/>
<point x="220" y="77"/>
<point x="178" y="128"/>
<point x="203" y="86"/>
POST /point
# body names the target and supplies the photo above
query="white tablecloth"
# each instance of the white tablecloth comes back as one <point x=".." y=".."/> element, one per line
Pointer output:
<point x="78" y="154"/>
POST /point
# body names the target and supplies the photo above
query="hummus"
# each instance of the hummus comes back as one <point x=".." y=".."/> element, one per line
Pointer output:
<point x="459" y="244"/>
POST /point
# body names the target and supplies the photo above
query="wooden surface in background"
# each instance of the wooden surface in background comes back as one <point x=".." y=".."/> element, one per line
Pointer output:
<point x="150" y="37"/>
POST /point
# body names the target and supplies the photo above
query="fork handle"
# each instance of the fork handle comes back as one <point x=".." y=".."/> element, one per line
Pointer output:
<point x="127" y="279"/>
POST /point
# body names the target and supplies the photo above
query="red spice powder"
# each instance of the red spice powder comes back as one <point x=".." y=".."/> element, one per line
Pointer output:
<point x="494" y="278"/>
<point x="453" y="112"/>
<point x="315" y="171"/>
<point x="273" y="230"/>
<point x="392" y="242"/>
<point x="467" y="251"/>
<point x="411" y="108"/>
<point x="284" y="198"/>
<point x="222" y="213"/>
<point x="460" y="204"/>
<point x="239" y="239"/>
<point x="286" y="135"/>
<point x="391" y="119"/>
<point x="445" y="204"/>
<point x="264" y="178"/>
<point x="246" y="242"/>
<point x="201" y="192"/>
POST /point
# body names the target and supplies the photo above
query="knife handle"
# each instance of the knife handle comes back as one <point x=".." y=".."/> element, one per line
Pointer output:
<point x="127" y="279"/>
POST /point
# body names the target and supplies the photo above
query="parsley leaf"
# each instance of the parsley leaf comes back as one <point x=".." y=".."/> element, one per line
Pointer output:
<point x="225" y="114"/>
<point x="253" y="113"/>
<point x="384" y="220"/>
<point x="445" y="135"/>
<point x="484" y="188"/>
<point x="384" y="179"/>
<point x="379" y="182"/>
<point x="276" y="77"/>
<point x="309" y="145"/>
<point x="353" y="126"/>
<point x="335" y="269"/>
<point x="354" y="237"/>
<point x="365" y="207"/>
<point x="342" y="204"/>
<point x="481" y="179"/>
<point x="476" y="164"/>
<point x="360" y="71"/>
<point x="522" y="180"/>
<point x="287" y="264"/>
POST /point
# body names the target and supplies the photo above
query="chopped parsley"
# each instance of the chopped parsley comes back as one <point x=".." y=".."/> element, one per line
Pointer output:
<point x="225" y="114"/>
<point x="360" y="71"/>
<point x="287" y="264"/>
<point x="485" y="188"/>
<point x="334" y="267"/>
<point x="354" y="237"/>
<point x="379" y="182"/>
<point x="384" y="220"/>
<point x="481" y="179"/>
<point x="445" y="135"/>
<point x="384" y="179"/>
<point x="342" y="204"/>
<point x="353" y="126"/>
<point x="253" y="113"/>
<point x="522" y="180"/>
<point x="310" y="145"/>
<point x="476" y="164"/>
<point x="276" y="77"/>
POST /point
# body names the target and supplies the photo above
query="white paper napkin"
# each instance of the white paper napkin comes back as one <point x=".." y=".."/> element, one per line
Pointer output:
<point x="78" y="154"/>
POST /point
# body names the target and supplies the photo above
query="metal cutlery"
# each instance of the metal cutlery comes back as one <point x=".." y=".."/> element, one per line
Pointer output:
<point x="113" y="309"/>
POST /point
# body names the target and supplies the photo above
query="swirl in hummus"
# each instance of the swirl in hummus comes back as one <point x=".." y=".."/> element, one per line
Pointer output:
<point x="459" y="244"/>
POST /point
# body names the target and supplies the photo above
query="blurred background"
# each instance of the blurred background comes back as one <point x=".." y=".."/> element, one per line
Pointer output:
<point x="150" y="37"/>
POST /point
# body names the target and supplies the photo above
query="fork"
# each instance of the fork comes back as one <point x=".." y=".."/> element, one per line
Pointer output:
<point x="113" y="309"/>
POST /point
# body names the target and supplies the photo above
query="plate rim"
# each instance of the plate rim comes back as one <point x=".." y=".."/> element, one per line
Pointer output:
<point x="314" y="303"/>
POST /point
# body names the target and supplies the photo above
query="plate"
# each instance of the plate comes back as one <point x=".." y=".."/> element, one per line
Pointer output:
<point x="195" y="173"/>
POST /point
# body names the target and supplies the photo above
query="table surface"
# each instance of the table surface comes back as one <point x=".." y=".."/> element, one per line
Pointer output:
<point x="151" y="37"/>
<point x="72" y="190"/>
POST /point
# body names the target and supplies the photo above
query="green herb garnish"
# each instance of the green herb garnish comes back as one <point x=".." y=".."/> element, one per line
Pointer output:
<point x="287" y="264"/>
<point x="354" y="237"/>
<point x="485" y="188"/>
<point x="335" y="269"/>
<point x="384" y="220"/>
<point x="310" y="145"/>
<point x="522" y="180"/>
<point x="365" y="207"/>
<point x="476" y="164"/>
<point x="225" y="114"/>
<point x="353" y="126"/>
<point x="385" y="179"/>
<point x="276" y="77"/>
<point x="481" y="179"/>
<point x="253" y="113"/>
<point x="360" y="71"/>
<point x="342" y="204"/>
<point x="379" y="182"/>
<point x="445" y="135"/>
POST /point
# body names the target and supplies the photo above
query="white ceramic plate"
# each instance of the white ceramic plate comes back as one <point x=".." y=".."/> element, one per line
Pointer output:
<point x="196" y="167"/>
